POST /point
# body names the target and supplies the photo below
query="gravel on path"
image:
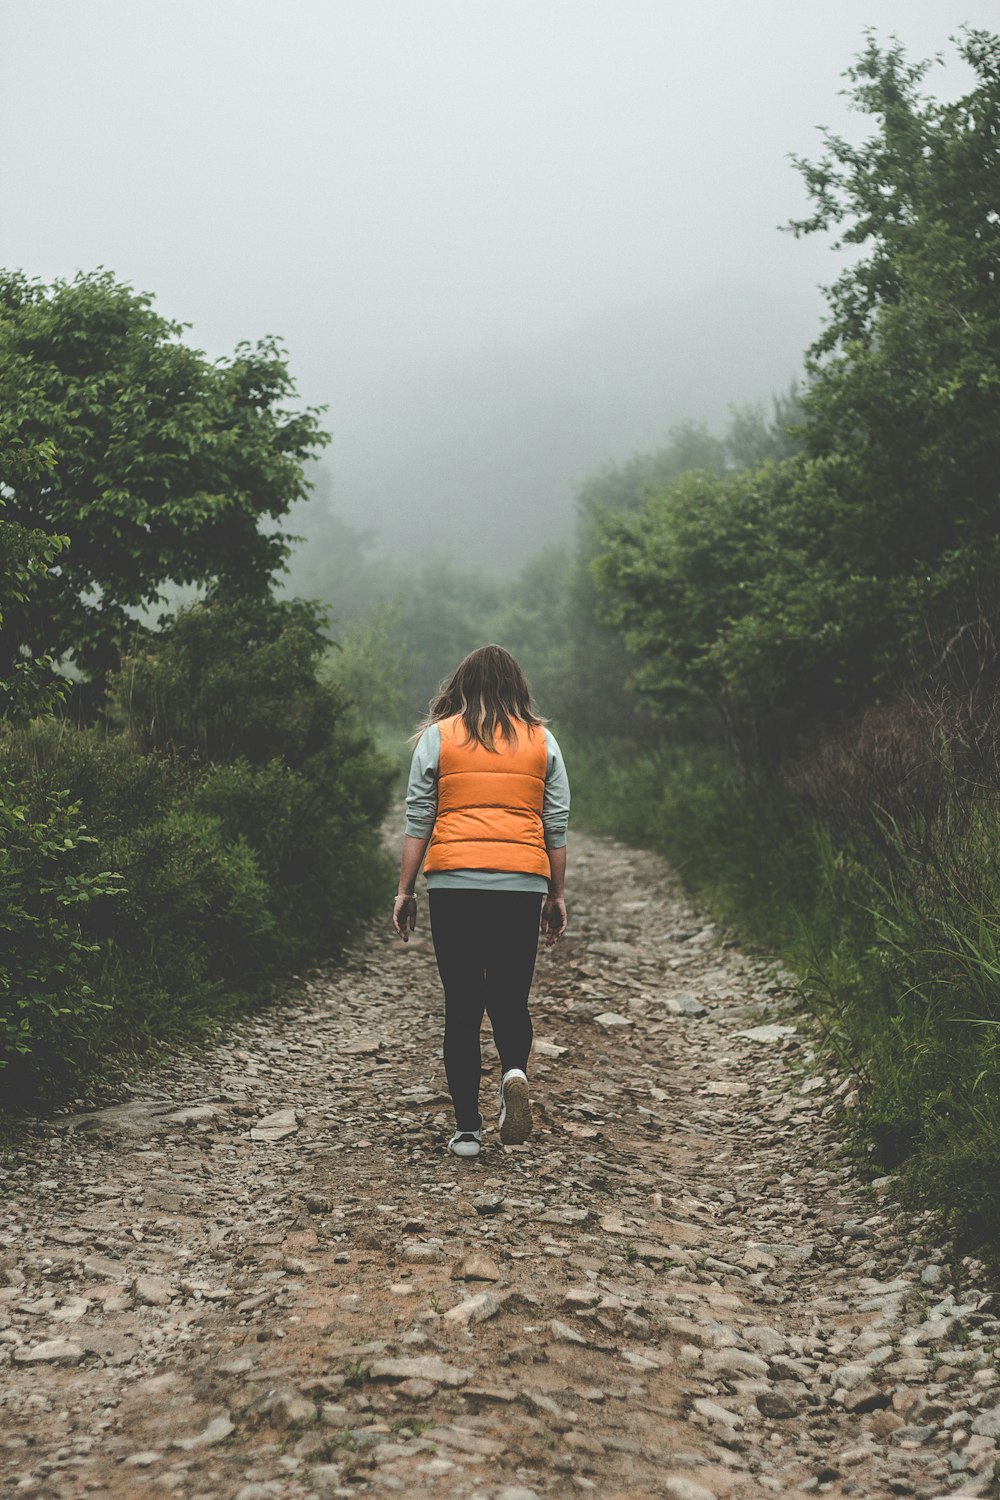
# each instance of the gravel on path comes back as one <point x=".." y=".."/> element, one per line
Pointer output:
<point x="261" y="1276"/>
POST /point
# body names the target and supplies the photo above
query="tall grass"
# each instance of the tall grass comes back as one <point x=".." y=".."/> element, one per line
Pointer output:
<point x="872" y="867"/>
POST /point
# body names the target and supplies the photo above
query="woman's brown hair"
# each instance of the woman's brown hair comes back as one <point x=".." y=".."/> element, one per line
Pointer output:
<point x="490" y="692"/>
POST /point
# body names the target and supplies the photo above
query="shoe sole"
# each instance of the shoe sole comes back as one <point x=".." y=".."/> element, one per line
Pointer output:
<point x="516" y="1125"/>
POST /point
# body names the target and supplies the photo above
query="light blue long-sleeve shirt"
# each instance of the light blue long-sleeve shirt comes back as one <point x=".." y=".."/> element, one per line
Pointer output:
<point x="421" y="812"/>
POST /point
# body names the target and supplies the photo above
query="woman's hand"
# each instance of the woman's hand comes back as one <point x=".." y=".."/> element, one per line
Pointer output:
<point x="553" y="919"/>
<point x="404" y="916"/>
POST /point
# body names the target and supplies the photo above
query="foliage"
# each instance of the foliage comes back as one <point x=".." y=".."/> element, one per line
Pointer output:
<point x="162" y="464"/>
<point x="50" y="886"/>
<point x="890" y="921"/>
<point x="30" y="685"/>
<point x="904" y="391"/>
<point x="228" y="679"/>
<point x="838" y="607"/>
<point x="806" y="588"/>
<point x="241" y="824"/>
<point x="240" y="690"/>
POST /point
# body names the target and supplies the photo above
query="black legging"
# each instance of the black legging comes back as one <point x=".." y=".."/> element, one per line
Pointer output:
<point x="485" y="944"/>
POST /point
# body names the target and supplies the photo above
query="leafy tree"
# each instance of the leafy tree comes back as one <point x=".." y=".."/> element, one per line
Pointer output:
<point x="805" y="589"/>
<point x="165" y="466"/>
<point x="904" y="393"/>
<point x="28" y="685"/>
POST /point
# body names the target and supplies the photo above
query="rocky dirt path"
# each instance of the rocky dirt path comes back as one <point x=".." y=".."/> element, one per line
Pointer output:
<point x="262" y="1277"/>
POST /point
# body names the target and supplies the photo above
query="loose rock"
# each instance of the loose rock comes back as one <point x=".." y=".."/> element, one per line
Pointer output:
<point x="50" y="1351"/>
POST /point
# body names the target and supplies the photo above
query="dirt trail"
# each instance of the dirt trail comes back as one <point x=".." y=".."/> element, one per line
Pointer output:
<point x="262" y="1277"/>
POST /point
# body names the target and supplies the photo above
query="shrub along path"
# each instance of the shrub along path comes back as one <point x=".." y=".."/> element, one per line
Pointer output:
<point x="261" y="1275"/>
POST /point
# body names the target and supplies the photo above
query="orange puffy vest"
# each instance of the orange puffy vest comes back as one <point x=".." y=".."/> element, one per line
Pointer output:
<point x="489" y="814"/>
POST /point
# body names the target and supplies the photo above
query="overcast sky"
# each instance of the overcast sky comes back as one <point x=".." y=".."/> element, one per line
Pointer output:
<point x="399" y="183"/>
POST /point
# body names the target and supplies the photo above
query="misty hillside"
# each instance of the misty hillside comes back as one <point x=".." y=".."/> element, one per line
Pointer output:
<point x="482" y="457"/>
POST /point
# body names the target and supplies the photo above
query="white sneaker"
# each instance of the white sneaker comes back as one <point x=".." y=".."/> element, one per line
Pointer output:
<point x="466" y="1142"/>
<point x="515" y="1107"/>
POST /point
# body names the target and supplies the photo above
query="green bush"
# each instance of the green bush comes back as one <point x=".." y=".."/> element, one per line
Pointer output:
<point x="241" y="824"/>
<point x="224" y="680"/>
<point x="48" y="954"/>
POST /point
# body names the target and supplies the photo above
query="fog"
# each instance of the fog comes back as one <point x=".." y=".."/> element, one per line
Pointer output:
<point x="503" y="243"/>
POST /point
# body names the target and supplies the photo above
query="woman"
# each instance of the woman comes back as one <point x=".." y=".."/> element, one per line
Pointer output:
<point x="488" y="794"/>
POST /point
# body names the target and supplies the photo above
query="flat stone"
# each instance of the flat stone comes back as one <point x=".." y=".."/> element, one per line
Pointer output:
<point x="735" y="1362"/>
<point x="140" y="1117"/>
<point x="192" y="1114"/>
<point x="907" y="1369"/>
<point x="865" y="1398"/>
<point x="640" y="1361"/>
<point x="770" y="1033"/>
<point x="775" y="1405"/>
<point x="144" y="1459"/>
<point x="935" y="1331"/>
<point x="677" y="1487"/>
<point x="476" y="1267"/>
<point x="51" y="1352"/>
<point x="110" y="1346"/>
<point x="275" y="1126"/>
<point x="848" y="1377"/>
<point x="487" y="1204"/>
<point x="884" y="1423"/>
<point x="153" y="1291"/>
<point x="287" y="1407"/>
<point x="987" y="1424"/>
<point x="611" y="1018"/>
<point x="548" y="1049"/>
<point x="612" y="948"/>
<point x="218" y="1429"/>
<point x="476" y="1309"/>
<point x="325" y="1477"/>
<point x="71" y="1310"/>
<point x="783" y="1251"/>
<point x="564" y="1332"/>
<point x="783" y="1368"/>
<point x="418" y="1389"/>
<point x="683" y="1005"/>
<point x="767" y="1340"/>
<point x="704" y="936"/>
<point x="104" y="1268"/>
<point x="422" y="1367"/>
<point x="465" y="1441"/>
<point x="566" y="1216"/>
<point x="719" y="1415"/>
<point x="422" y="1255"/>
<point x="918" y="1433"/>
